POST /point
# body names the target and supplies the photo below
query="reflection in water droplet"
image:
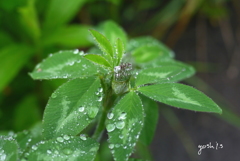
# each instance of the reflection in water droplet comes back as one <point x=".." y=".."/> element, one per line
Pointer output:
<point x="67" y="151"/>
<point x="111" y="146"/>
<point x="110" y="115"/>
<point x="120" y="124"/>
<point x="110" y="127"/>
<point x="92" y="112"/>
<point x="83" y="137"/>
<point x="60" y="139"/>
<point x="81" y="109"/>
<point x="66" y="137"/>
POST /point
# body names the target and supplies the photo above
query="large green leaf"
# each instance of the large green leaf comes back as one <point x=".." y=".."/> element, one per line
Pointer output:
<point x="8" y="149"/>
<point x="124" y="125"/>
<point x="64" y="148"/>
<point x="97" y="59"/>
<point x="12" y="59"/>
<point x="71" y="36"/>
<point x="64" y="64"/>
<point x="157" y="74"/>
<point x="60" y="12"/>
<point x="72" y="107"/>
<point x="182" y="96"/>
<point x="113" y="31"/>
<point x="104" y="45"/>
<point x="150" y="120"/>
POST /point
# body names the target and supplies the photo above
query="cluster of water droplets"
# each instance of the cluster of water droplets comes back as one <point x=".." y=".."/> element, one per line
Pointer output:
<point x="119" y="123"/>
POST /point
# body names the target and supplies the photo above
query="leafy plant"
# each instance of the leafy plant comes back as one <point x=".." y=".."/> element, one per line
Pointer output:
<point x="114" y="88"/>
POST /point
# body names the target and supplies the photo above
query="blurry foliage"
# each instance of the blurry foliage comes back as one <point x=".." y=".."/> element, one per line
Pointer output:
<point x="30" y="29"/>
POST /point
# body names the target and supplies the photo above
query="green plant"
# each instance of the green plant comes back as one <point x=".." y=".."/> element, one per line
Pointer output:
<point x="106" y="89"/>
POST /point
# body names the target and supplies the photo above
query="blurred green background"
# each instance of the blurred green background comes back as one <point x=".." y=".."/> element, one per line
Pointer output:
<point x="203" y="33"/>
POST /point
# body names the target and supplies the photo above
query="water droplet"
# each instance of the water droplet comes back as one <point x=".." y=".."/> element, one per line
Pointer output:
<point x="94" y="149"/>
<point x="75" y="51"/>
<point x="67" y="151"/>
<point x="100" y="89"/>
<point x="60" y="139"/>
<point x="54" y="95"/>
<point x="110" y="115"/>
<point x="110" y="127"/>
<point x="49" y="151"/>
<point x="111" y="146"/>
<point x="117" y="145"/>
<point x="100" y="99"/>
<point x="56" y="152"/>
<point x="34" y="147"/>
<point x="83" y="137"/>
<point x="66" y="137"/>
<point x="92" y="112"/>
<point x="122" y="116"/>
<point x="81" y="109"/>
<point x="121" y="136"/>
<point x="120" y="124"/>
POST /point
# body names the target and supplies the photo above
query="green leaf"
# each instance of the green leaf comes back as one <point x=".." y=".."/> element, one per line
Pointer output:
<point x="103" y="44"/>
<point x="113" y="31"/>
<point x="147" y="53"/>
<point x="97" y="59"/>
<point x="71" y="36"/>
<point x="187" y="70"/>
<point x="182" y="96"/>
<point x="124" y="125"/>
<point x="150" y="120"/>
<point x="64" y="64"/>
<point x="64" y="148"/>
<point x="119" y="51"/>
<point x="157" y="74"/>
<point x="12" y="59"/>
<point x="60" y="12"/>
<point x="8" y="149"/>
<point x="142" y="43"/>
<point x="72" y="107"/>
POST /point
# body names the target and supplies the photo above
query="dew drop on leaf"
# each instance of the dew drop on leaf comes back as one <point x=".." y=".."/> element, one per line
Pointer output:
<point x="81" y="109"/>
<point x="110" y="127"/>
<point x="34" y="147"/>
<point x="54" y="95"/>
<point x="83" y="137"/>
<point x="92" y="112"/>
<point x="110" y="115"/>
<point x="120" y="124"/>
<point x="111" y="146"/>
<point x="66" y="137"/>
<point x="60" y="139"/>
<point x="67" y="151"/>
<point x="100" y="99"/>
<point x="75" y="51"/>
<point x="122" y="116"/>
<point x="49" y="151"/>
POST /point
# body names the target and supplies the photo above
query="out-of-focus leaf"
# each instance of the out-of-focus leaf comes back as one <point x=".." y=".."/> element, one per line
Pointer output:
<point x="27" y="107"/>
<point x="5" y="39"/>
<point x="124" y="125"/>
<point x="104" y="45"/>
<point x="74" y="36"/>
<point x="8" y="149"/>
<point x="181" y="96"/>
<point x="65" y="148"/>
<point x="72" y="107"/>
<point x="60" y="12"/>
<point x="64" y="64"/>
<point x="12" y="58"/>
<point x="97" y="59"/>
<point x="150" y="120"/>
<point x="113" y="31"/>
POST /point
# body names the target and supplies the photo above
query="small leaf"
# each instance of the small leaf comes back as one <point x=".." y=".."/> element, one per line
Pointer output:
<point x="119" y="51"/>
<point x="64" y="64"/>
<point x="182" y="96"/>
<point x="8" y="149"/>
<point x="157" y="74"/>
<point x="64" y="148"/>
<point x="150" y="120"/>
<point x="12" y="59"/>
<point x="113" y="31"/>
<point x="60" y="12"/>
<point x="72" y="107"/>
<point x="124" y="125"/>
<point x="73" y="36"/>
<point x="104" y="45"/>
<point x="97" y="59"/>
